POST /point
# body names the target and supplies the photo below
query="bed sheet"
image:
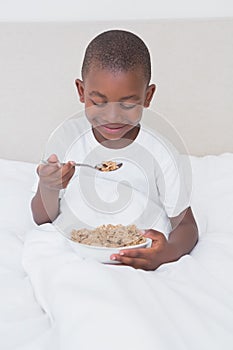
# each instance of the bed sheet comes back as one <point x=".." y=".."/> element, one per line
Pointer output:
<point x="52" y="300"/>
<point x="23" y="324"/>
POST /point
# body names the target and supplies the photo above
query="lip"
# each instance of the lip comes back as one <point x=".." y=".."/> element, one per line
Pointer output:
<point x="113" y="128"/>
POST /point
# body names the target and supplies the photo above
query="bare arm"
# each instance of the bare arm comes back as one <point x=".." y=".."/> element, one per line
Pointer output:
<point x="181" y="241"/>
<point x="183" y="237"/>
<point x="45" y="204"/>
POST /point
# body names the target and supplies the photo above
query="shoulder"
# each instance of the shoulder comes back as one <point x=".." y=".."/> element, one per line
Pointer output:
<point x="161" y="148"/>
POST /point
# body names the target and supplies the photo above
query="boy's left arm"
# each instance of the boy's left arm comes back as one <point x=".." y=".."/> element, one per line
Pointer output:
<point x="181" y="241"/>
<point x="184" y="234"/>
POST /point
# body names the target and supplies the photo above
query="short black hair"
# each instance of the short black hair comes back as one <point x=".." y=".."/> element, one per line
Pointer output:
<point x="117" y="50"/>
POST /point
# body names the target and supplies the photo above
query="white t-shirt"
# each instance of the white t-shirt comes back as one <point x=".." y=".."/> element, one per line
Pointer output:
<point x="150" y="187"/>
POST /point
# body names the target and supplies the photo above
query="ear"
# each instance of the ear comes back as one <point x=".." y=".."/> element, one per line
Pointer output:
<point x="149" y="95"/>
<point x="80" y="88"/>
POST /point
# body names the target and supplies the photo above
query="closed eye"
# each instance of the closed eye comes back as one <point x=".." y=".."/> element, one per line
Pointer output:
<point x="101" y="104"/>
<point x="127" y="105"/>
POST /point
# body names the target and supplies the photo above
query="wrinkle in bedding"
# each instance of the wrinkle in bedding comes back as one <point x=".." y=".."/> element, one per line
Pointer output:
<point x="51" y="299"/>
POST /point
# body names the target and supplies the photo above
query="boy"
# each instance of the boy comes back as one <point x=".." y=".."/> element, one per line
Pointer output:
<point x="115" y="87"/>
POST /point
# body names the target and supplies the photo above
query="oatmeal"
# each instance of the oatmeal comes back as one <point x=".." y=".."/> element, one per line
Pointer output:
<point x="109" y="236"/>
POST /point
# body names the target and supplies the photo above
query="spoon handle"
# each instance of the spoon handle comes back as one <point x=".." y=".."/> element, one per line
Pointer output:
<point x="82" y="164"/>
<point x="75" y="164"/>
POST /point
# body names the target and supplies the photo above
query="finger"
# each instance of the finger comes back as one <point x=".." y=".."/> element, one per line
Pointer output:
<point x="66" y="180"/>
<point x="68" y="171"/>
<point x="55" y="176"/>
<point x="68" y="168"/>
<point x="59" y="180"/>
<point x="133" y="262"/>
<point x="67" y="176"/>
<point x="135" y="253"/>
<point x="54" y="168"/>
<point x="49" y="169"/>
<point x="52" y="161"/>
<point x="154" y="235"/>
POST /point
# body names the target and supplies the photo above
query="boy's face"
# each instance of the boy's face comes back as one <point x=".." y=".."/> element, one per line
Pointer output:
<point x="114" y="102"/>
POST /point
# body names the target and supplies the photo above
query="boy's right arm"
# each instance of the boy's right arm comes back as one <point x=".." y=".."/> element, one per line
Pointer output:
<point x="45" y="205"/>
<point x="53" y="177"/>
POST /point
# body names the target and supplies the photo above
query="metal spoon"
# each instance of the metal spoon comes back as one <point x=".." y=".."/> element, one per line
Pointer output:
<point x="99" y="167"/>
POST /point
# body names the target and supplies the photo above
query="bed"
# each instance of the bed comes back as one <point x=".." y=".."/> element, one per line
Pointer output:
<point x="52" y="299"/>
<point x="183" y="305"/>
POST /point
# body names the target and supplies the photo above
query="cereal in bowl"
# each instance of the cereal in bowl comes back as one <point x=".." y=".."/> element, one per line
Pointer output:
<point x="109" y="236"/>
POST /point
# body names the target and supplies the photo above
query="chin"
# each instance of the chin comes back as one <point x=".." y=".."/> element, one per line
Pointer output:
<point x="112" y="137"/>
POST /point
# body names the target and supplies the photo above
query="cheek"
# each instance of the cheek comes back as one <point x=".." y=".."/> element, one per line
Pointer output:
<point x="89" y="116"/>
<point x="93" y="114"/>
<point x="134" y="115"/>
<point x="89" y="111"/>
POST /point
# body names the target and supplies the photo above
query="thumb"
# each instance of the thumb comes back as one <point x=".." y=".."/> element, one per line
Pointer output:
<point x="53" y="158"/>
<point x="144" y="232"/>
<point x="153" y="234"/>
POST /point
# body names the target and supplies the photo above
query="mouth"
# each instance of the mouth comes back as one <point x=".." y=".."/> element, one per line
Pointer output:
<point x="113" y="128"/>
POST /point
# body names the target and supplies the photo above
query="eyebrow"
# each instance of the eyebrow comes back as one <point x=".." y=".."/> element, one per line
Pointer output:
<point x="97" y="93"/>
<point x="130" y="97"/>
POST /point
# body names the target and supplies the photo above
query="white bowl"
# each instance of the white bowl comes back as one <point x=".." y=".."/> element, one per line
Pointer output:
<point x="102" y="254"/>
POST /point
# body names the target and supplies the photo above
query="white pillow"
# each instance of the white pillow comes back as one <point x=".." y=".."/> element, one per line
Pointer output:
<point x="16" y="180"/>
<point x="212" y="197"/>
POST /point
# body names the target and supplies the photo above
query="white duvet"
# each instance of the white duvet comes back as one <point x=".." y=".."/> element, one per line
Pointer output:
<point x="51" y="299"/>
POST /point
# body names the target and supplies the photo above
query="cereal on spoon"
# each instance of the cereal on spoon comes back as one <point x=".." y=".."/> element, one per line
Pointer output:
<point x="108" y="165"/>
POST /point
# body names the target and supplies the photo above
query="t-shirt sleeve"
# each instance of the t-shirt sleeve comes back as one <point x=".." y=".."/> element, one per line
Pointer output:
<point x="174" y="182"/>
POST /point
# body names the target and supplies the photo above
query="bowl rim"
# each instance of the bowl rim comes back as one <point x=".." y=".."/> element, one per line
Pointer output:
<point x="141" y="245"/>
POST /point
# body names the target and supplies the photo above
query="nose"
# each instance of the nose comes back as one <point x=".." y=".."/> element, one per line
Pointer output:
<point x="113" y="113"/>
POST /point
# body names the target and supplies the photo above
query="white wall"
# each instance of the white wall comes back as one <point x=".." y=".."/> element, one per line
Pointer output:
<point x="192" y="66"/>
<point x="73" y="10"/>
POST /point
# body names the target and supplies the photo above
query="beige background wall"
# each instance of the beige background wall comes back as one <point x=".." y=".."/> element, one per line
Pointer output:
<point x="192" y="67"/>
